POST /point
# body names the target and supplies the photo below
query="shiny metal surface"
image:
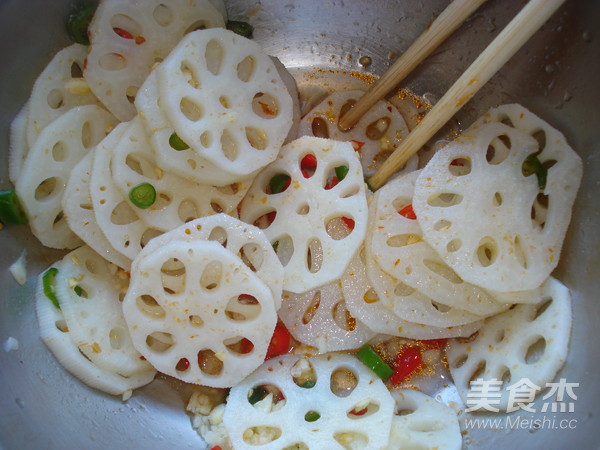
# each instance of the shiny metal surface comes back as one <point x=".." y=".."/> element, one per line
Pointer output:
<point x="556" y="76"/>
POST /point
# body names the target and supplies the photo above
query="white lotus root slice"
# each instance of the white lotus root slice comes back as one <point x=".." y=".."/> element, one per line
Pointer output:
<point x="185" y="163"/>
<point x="56" y="335"/>
<point x="194" y="330"/>
<point x="424" y="423"/>
<point x="177" y="200"/>
<point x="375" y="136"/>
<point x="320" y="318"/>
<point x="79" y="211"/>
<point x="59" y="88"/>
<point x="364" y="304"/>
<point x="336" y="427"/>
<point x="526" y="342"/>
<point x="89" y="290"/>
<point x="408" y="303"/>
<point x="129" y="37"/>
<point x="17" y="143"/>
<point x="307" y="212"/>
<point x="46" y="169"/>
<point x="226" y="100"/>
<point x="123" y="228"/>
<point x="246" y="241"/>
<point x="504" y="249"/>
<point x="396" y="243"/>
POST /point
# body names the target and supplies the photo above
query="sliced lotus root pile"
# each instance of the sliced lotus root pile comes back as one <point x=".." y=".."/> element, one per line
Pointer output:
<point x="79" y="211"/>
<point x="320" y="318"/>
<point x="527" y="342"/>
<point x="395" y="242"/>
<point x="177" y="200"/>
<point x="313" y="416"/>
<point x="129" y="37"/>
<point x="375" y="136"/>
<point x="59" y="87"/>
<point x="121" y="225"/>
<point x="56" y="334"/>
<point x="364" y="304"/>
<point x="90" y="290"/>
<point x="212" y="326"/>
<point x="45" y="172"/>
<point x="17" y="143"/>
<point x="423" y="422"/>
<point x="243" y="240"/>
<point x="487" y="215"/>
<point x="300" y="199"/>
<point x="226" y="104"/>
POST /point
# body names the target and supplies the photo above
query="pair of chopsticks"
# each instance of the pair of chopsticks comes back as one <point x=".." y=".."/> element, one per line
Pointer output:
<point x="500" y="50"/>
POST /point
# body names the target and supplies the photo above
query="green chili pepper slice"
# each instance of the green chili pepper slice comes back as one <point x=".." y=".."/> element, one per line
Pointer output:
<point x="143" y="195"/>
<point x="312" y="416"/>
<point x="242" y="28"/>
<point x="78" y="290"/>
<point x="279" y="183"/>
<point x="48" y="285"/>
<point x="177" y="143"/>
<point x="341" y="172"/>
<point x="373" y="361"/>
<point x="78" y="23"/>
<point x="11" y="211"/>
<point x="258" y="393"/>
<point x="533" y="165"/>
<point x="308" y="384"/>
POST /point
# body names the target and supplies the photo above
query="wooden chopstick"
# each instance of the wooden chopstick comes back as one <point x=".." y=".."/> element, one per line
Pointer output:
<point x="502" y="48"/>
<point x="448" y="21"/>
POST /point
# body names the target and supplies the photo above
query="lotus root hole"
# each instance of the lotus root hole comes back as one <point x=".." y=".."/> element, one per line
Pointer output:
<point x="498" y="150"/>
<point x="342" y="382"/>
<point x="460" y="166"/>
<point x="46" y="189"/>
<point x="163" y="15"/>
<point x="55" y="98"/>
<point x="520" y="253"/>
<point x="440" y="307"/>
<point x="128" y="26"/>
<point x="117" y="337"/>
<point x="148" y="235"/>
<point x="206" y="139"/>
<point x="442" y="225"/>
<point x="246" y="68"/>
<point x="209" y="363"/>
<point x="377" y="129"/>
<point x="303" y="209"/>
<point x="159" y="341"/>
<point x="253" y="256"/>
<point x="263" y="222"/>
<point x="265" y="105"/>
<point x="362" y="412"/>
<point x="239" y="345"/>
<point x="506" y="121"/>
<point x="76" y="71"/>
<point x="187" y="211"/>
<point x="370" y="296"/>
<point x="214" y="56"/>
<point x="131" y="93"/>
<point x="218" y="234"/>
<point x="351" y="439"/>
<point x="112" y="62"/>
<point x="444" y="200"/>
<point x="347" y="106"/>
<point x="314" y="256"/>
<point x="59" y="152"/>
<point x="257" y="138"/>
<point x="443" y="270"/>
<point x="211" y="276"/>
<point x="339" y="228"/>
<point x="261" y="435"/>
<point x="191" y="110"/>
<point x="403" y="290"/>
<point x="402" y="240"/>
<point x="535" y="351"/>
<point x="460" y="361"/>
<point x="500" y="336"/>
<point x="342" y="317"/>
<point x="191" y="164"/>
<point x="260" y="392"/>
<point x="61" y="326"/>
<point x="540" y="137"/>
<point x="477" y="373"/>
<point x="487" y="252"/>
<point x="505" y="376"/>
<point x="196" y="320"/>
<point x="242" y="308"/>
<point x="284" y="248"/>
<point x="87" y="137"/>
<point x="454" y="245"/>
<point x="303" y="374"/>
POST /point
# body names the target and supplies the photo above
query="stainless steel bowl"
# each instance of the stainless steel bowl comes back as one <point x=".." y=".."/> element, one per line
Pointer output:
<point x="555" y="75"/>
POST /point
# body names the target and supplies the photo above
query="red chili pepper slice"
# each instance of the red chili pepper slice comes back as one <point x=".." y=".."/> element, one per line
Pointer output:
<point x="182" y="364"/>
<point x="123" y="33"/>
<point x="308" y="165"/>
<point x="357" y="145"/>
<point x="349" y="222"/>
<point x="246" y="346"/>
<point x="408" y="212"/>
<point x="360" y="412"/>
<point x="266" y="109"/>
<point x="407" y="361"/>
<point x="216" y="447"/>
<point x="434" y="343"/>
<point x="139" y="40"/>
<point x="280" y="342"/>
<point x="332" y="183"/>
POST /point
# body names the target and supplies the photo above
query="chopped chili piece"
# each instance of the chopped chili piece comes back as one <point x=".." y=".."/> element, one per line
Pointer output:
<point x="407" y="361"/>
<point x="123" y="33"/>
<point x="78" y="290"/>
<point x="242" y="28"/>
<point x="408" y="212"/>
<point x="341" y="172"/>
<point x="216" y="447"/>
<point x="139" y="40"/>
<point x="11" y="211"/>
<point x="78" y="23"/>
<point x="183" y="364"/>
<point x="246" y="346"/>
<point x="349" y="222"/>
<point x="177" y="143"/>
<point x="360" y="412"/>
<point x="533" y="165"/>
<point x="312" y="416"/>
<point x="332" y="183"/>
<point x="258" y="393"/>
<point x="49" y="286"/>
<point x="266" y="109"/>
<point x="143" y="195"/>
<point x="280" y="342"/>
<point x="357" y="145"/>
<point x="309" y="162"/>
<point x="279" y="183"/>
<point x="308" y="384"/>
<point x="373" y="361"/>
